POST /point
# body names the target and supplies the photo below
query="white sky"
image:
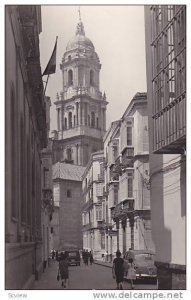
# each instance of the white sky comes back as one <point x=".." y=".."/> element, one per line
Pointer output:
<point x="117" y="33"/>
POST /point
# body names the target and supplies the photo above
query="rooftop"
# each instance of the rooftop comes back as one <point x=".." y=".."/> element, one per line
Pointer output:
<point x="67" y="171"/>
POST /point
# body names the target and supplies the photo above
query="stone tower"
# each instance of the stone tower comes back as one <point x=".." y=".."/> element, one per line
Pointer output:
<point x="81" y="107"/>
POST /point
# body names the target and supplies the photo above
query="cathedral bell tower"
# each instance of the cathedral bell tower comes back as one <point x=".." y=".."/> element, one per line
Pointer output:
<point x="81" y="107"/>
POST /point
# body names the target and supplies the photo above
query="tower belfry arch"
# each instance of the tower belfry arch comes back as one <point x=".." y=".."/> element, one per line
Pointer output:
<point x="81" y="106"/>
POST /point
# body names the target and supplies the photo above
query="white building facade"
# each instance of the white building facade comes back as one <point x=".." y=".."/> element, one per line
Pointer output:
<point x="127" y="185"/>
<point x="93" y="214"/>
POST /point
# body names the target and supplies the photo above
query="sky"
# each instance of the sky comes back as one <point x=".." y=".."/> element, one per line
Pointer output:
<point x="118" y="35"/>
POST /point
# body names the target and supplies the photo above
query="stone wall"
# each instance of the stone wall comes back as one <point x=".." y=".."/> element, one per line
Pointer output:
<point x="70" y="221"/>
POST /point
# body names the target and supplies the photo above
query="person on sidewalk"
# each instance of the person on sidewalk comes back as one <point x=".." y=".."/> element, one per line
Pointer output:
<point x="91" y="258"/>
<point x="118" y="270"/>
<point x="86" y="257"/>
<point x="131" y="272"/>
<point x="63" y="269"/>
<point x="131" y="254"/>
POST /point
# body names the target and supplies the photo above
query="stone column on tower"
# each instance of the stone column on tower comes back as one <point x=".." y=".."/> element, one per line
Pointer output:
<point x="77" y="113"/>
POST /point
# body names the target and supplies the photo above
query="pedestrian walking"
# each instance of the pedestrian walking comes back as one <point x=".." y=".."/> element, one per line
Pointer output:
<point x="83" y="255"/>
<point x="118" y="270"/>
<point x="86" y="258"/>
<point x="131" y="254"/>
<point x="53" y="254"/>
<point x="56" y="255"/>
<point x="91" y="258"/>
<point x="131" y="272"/>
<point x="63" y="270"/>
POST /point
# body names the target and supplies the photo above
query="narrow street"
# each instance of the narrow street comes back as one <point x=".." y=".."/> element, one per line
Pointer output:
<point x="84" y="278"/>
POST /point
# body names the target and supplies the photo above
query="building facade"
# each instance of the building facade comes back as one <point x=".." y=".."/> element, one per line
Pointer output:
<point x="67" y="222"/>
<point x="81" y="107"/>
<point x="93" y="209"/>
<point x="165" y="28"/>
<point x="26" y="136"/>
<point x="47" y="208"/>
<point x="127" y="185"/>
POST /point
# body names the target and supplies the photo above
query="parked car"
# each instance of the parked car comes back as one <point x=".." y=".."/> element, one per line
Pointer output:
<point x="74" y="257"/>
<point x="144" y="264"/>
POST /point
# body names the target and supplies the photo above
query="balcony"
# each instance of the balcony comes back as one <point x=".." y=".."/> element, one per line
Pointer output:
<point x="87" y="226"/>
<point x="105" y="190"/>
<point x="100" y="224"/>
<point x="101" y="177"/>
<point x="81" y="130"/>
<point x="168" y="102"/>
<point x="122" y="209"/>
<point x="47" y="201"/>
<point x="127" y="156"/>
<point x="47" y="197"/>
<point x="170" y="127"/>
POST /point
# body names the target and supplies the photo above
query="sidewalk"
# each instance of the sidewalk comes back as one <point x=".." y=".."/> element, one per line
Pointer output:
<point x="103" y="263"/>
<point x="48" y="280"/>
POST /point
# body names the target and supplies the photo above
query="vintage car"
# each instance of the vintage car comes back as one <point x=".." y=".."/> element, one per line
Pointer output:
<point x="144" y="264"/>
<point x="74" y="257"/>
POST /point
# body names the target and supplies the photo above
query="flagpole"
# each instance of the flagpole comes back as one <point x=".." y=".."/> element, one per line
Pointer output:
<point x="46" y="84"/>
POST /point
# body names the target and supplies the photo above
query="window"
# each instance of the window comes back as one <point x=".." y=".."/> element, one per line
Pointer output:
<point x="33" y="176"/>
<point x="68" y="193"/>
<point x="92" y="119"/>
<point x="102" y="170"/>
<point x="65" y="123"/>
<point x="46" y="179"/>
<point x="102" y="241"/>
<point x="97" y="123"/>
<point x="98" y="213"/>
<point x="74" y="120"/>
<point x="168" y="75"/>
<point x="13" y="141"/>
<point x="69" y="57"/>
<point x="58" y="120"/>
<point x="130" y="187"/>
<point x="99" y="190"/>
<point x="91" y="77"/>
<point x="115" y="195"/>
<point x="70" y="77"/>
<point x="129" y="136"/>
<point x="22" y="182"/>
<point x="69" y="154"/>
<point x="70" y="119"/>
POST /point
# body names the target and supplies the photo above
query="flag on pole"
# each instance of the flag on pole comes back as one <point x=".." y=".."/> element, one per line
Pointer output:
<point x="51" y="66"/>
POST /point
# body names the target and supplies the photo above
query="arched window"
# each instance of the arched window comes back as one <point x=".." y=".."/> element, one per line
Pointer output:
<point x="92" y="119"/>
<point x="74" y="121"/>
<point x="69" y="57"/>
<point x="69" y="154"/>
<point x="91" y="77"/>
<point x="65" y="123"/>
<point x="13" y="150"/>
<point x="70" y="119"/>
<point x="70" y="77"/>
<point x="97" y="123"/>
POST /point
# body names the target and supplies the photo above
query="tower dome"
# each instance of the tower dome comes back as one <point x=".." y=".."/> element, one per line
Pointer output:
<point x="80" y="40"/>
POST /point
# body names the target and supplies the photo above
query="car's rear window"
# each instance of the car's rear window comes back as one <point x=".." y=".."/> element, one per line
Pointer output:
<point x="144" y="256"/>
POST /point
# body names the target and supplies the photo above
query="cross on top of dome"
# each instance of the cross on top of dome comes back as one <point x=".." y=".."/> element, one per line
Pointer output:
<point x="80" y="26"/>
